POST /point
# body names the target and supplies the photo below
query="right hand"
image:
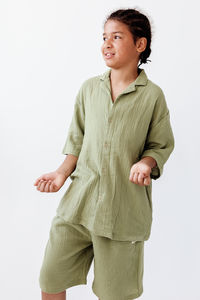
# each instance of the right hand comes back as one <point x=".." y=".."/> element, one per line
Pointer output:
<point x="50" y="182"/>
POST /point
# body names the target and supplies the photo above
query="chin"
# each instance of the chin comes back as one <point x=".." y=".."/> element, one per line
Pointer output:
<point x="110" y="64"/>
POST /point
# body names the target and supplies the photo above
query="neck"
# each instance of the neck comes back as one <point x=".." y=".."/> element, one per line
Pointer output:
<point x="124" y="76"/>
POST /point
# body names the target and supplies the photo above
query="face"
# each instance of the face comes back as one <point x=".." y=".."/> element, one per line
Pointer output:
<point x="118" y="42"/>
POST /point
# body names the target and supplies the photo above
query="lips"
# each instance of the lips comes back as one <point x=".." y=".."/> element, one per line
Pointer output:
<point x="109" y="54"/>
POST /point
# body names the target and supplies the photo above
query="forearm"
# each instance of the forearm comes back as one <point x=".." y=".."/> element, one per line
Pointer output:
<point x="150" y="161"/>
<point x="68" y="165"/>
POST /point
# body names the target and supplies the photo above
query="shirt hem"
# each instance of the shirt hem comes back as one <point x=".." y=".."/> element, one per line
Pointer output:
<point x="109" y="234"/>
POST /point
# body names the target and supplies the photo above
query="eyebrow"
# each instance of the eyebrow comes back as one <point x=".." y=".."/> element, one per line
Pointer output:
<point x="114" y="32"/>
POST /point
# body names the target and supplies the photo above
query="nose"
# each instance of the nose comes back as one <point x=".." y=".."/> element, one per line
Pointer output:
<point x="107" y="44"/>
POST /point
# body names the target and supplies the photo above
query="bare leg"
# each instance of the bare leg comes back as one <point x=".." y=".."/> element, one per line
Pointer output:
<point x="58" y="296"/>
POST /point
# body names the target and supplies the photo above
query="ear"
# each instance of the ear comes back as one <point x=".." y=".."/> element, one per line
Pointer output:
<point x="141" y="44"/>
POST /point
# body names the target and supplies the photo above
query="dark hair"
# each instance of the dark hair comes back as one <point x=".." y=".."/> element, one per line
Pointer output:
<point x="139" y="26"/>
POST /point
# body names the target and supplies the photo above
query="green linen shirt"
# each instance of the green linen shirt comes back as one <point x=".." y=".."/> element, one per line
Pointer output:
<point x="108" y="138"/>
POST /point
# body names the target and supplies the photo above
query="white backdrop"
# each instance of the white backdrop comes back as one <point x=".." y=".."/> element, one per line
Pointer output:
<point x="47" y="49"/>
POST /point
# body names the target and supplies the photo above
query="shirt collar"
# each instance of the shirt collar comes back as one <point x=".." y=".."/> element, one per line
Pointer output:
<point x="140" y="80"/>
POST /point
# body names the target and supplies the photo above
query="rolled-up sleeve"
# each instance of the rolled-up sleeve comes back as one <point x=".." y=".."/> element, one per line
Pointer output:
<point x="160" y="140"/>
<point x="75" y="135"/>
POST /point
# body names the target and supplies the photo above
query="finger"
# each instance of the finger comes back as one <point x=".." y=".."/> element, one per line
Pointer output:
<point x="39" y="184"/>
<point x="141" y="179"/>
<point x="131" y="176"/>
<point x="49" y="186"/>
<point x="52" y="187"/>
<point x="42" y="186"/>
<point x="135" y="177"/>
<point x="46" y="189"/>
<point x="147" y="180"/>
<point x="41" y="178"/>
<point x="37" y="180"/>
<point x="45" y="177"/>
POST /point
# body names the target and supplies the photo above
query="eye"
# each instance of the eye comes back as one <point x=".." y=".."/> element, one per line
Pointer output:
<point x="115" y="37"/>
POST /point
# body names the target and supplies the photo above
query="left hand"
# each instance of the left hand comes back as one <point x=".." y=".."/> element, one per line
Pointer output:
<point x="140" y="173"/>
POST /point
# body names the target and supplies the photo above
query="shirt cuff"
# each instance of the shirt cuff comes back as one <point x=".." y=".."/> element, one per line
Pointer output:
<point x="75" y="150"/>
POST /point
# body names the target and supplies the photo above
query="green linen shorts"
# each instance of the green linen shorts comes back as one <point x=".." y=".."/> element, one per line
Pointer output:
<point x="118" y="265"/>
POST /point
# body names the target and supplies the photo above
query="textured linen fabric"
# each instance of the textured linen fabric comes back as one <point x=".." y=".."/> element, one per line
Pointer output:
<point x="108" y="138"/>
<point x="69" y="252"/>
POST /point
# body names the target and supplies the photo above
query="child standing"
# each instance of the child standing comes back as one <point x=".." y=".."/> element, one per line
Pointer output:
<point x="119" y="139"/>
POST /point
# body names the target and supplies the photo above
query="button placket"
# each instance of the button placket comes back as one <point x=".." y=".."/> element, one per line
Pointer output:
<point x="105" y="156"/>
